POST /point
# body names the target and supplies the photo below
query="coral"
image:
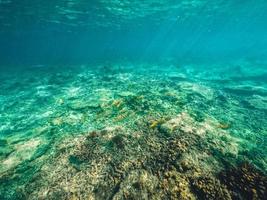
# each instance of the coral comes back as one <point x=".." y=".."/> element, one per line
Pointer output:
<point x="117" y="103"/>
<point x="175" y="186"/>
<point x="120" y="117"/>
<point x="210" y="188"/>
<point x="139" y="184"/>
<point x="245" y="182"/>
<point x="57" y="121"/>
<point x="224" y="126"/>
<point x="87" y="149"/>
<point x="75" y="161"/>
<point x="156" y="136"/>
<point x="156" y="123"/>
<point x="137" y="103"/>
<point x="60" y="101"/>
<point x="118" y="141"/>
<point x="168" y="155"/>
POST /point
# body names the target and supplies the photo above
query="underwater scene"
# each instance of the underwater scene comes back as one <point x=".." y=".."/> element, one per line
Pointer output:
<point x="143" y="99"/>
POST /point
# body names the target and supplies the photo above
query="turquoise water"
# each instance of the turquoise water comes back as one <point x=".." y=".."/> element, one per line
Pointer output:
<point x="133" y="100"/>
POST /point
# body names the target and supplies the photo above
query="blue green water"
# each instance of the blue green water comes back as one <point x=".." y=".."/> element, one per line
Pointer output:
<point x="133" y="100"/>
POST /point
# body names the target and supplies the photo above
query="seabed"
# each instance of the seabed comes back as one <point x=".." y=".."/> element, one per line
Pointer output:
<point x="134" y="131"/>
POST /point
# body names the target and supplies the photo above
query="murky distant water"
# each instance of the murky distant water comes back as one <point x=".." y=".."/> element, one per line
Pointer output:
<point x="133" y="100"/>
<point x="71" y="32"/>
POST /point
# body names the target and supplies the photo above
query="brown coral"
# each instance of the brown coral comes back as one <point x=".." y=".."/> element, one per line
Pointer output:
<point x="176" y="186"/>
<point x="245" y="182"/>
<point x="210" y="188"/>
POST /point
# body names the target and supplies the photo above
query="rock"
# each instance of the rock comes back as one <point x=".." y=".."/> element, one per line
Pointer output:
<point x="77" y="105"/>
<point x="126" y="94"/>
<point x="3" y="142"/>
<point x="57" y="121"/>
<point x="81" y="105"/>
<point x="22" y="152"/>
<point x="5" y="149"/>
<point x="182" y="122"/>
<point x="258" y="102"/>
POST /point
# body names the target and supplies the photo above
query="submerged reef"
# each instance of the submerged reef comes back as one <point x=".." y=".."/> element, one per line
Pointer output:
<point x="245" y="182"/>
<point x="210" y="188"/>
<point x="132" y="133"/>
<point x="118" y="163"/>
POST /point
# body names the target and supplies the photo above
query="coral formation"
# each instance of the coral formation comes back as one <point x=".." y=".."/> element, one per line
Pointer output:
<point x="210" y="188"/>
<point x="176" y="186"/>
<point x="245" y="182"/>
<point x="119" y="141"/>
<point x="130" y="134"/>
<point x="138" y="184"/>
<point x="224" y="126"/>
